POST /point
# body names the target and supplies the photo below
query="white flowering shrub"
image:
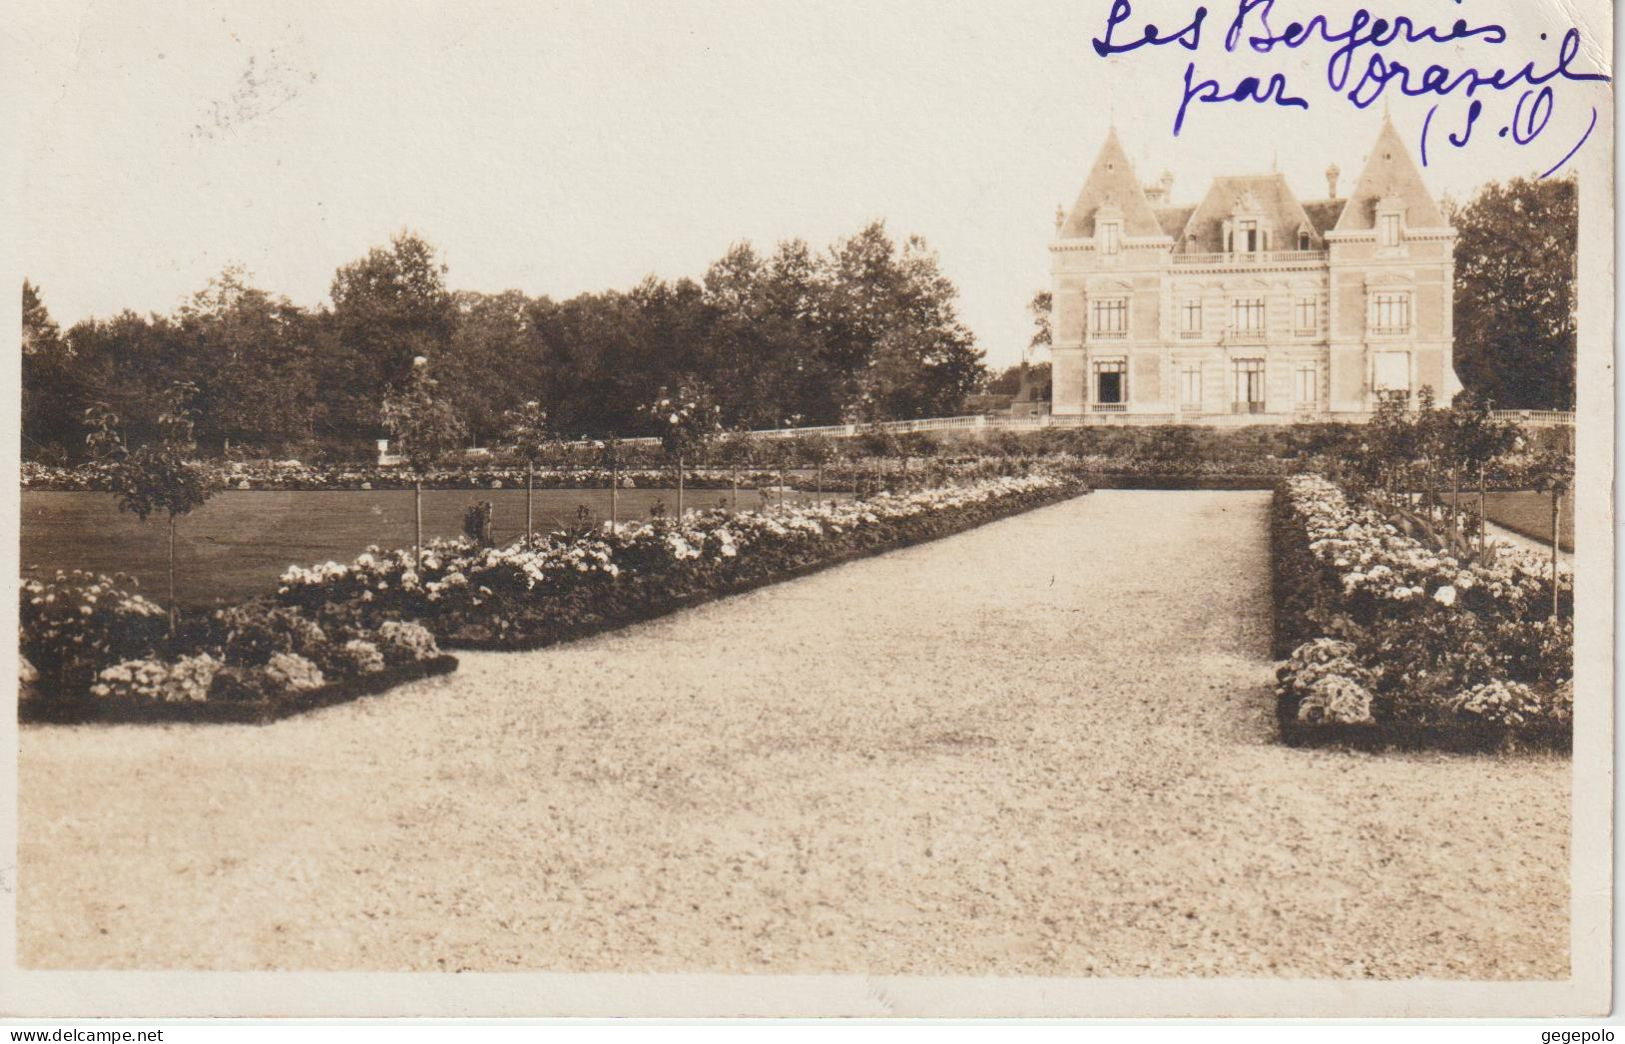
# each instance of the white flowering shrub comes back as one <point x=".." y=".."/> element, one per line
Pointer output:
<point x="1429" y="640"/>
<point x="407" y="642"/>
<point x="186" y="680"/>
<point x="1500" y="702"/>
<point x="364" y="656"/>
<point x="1335" y="698"/>
<point x="77" y="623"/>
<point x="293" y="672"/>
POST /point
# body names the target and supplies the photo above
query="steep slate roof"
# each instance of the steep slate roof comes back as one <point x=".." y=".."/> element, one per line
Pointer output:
<point x="1324" y="213"/>
<point x="1173" y="219"/>
<point x="1111" y="179"/>
<point x="1390" y="171"/>
<point x="1281" y="212"/>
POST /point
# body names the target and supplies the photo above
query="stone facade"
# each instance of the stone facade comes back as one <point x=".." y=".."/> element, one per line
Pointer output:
<point x="1249" y="304"/>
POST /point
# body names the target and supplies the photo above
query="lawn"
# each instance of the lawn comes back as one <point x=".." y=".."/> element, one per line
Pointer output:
<point x="1530" y="515"/>
<point x="237" y="545"/>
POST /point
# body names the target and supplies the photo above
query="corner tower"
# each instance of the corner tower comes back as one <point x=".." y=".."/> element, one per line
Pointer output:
<point x="1392" y="271"/>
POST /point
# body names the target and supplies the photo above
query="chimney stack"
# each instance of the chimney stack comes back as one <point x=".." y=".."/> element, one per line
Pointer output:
<point x="1060" y="217"/>
<point x="1331" y="181"/>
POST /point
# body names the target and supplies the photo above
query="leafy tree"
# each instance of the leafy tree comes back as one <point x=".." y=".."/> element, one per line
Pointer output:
<point x="388" y="308"/>
<point x="492" y="356"/>
<point x="1012" y="379"/>
<point x="1040" y="307"/>
<point x="128" y="364"/>
<point x="893" y="330"/>
<point x="52" y="392"/>
<point x="40" y="331"/>
<point x="159" y="475"/>
<point x="1515" y="303"/>
<point x="422" y="428"/>
<point x="250" y="355"/>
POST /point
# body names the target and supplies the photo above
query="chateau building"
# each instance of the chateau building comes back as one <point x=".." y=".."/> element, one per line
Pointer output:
<point x="1251" y="304"/>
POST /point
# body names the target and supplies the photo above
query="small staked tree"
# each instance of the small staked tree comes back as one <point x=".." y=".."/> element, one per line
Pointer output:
<point x="1473" y="440"/>
<point x="534" y="441"/>
<point x="160" y="475"/>
<point x="423" y="428"/>
<point x="610" y="453"/>
<point x="817" y="451"/>
<point x="688" y="420"/>
<point x="1556" y="477"/>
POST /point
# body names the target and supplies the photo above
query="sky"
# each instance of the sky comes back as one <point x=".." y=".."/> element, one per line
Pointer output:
<point x="564" y="147"/>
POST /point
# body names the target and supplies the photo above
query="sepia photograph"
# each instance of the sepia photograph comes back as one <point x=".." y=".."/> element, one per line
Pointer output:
<point x="925" y="509"/>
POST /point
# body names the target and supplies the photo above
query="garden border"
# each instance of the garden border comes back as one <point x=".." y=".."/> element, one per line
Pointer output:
<point x="1298" y="584"/>
<point x="689" y="601"/>
<point x="92" y="710"/>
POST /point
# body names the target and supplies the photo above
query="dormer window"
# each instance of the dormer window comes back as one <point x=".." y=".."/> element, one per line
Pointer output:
<point x="1111" y="237"/>
<point x="1303" y="240"/>
<point x="1388" y="230"/>
<point x="1390" y="221"/>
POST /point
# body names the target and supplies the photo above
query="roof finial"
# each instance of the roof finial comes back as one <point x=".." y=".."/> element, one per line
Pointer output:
<point x="1275" y="159"/>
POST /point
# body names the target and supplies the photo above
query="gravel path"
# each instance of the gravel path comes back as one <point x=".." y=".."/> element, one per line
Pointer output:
<point x="1523" y="543"/>
<point x="1039" y="748"/>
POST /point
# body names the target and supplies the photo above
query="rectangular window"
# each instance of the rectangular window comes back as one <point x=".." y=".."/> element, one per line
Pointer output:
<point x="1111" y="237"/>
<point x="1111" y="382"/>
<point x="1108" y="317"/>
<point x="1190" y="385"/>
<point x="1388" y="230"/>
<point x="1306" y="385"/>
<point x="1247" y="315"/>
<point x="1190" y="316"/>
<point x="1391" y="371"/>
<point x="1249" y="377"/>
<point x="1303" y="315"/>
<point x="1249" y="236"/>
<point x="1391" y="313"/>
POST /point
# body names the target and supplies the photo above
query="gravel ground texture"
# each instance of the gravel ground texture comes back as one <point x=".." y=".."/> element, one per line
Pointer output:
<point x="1043" y="747"/>
<point x="1522" y="543"/>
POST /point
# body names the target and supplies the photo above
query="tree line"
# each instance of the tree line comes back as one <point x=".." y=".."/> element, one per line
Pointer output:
<point x="865" y="330"/>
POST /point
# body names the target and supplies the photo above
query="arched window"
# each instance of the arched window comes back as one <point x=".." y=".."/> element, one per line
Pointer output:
<point x="1303" y="240"/>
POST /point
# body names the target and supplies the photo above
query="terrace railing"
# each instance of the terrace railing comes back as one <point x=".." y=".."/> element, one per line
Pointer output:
<point x="1256" y="257"/>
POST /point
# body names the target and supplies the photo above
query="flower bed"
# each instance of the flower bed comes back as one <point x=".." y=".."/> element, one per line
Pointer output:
<point x="1390" y="642"/>
<point x="838" y="476"/>
<point x="95" y="650"/>
<point x="568" y="585"/>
